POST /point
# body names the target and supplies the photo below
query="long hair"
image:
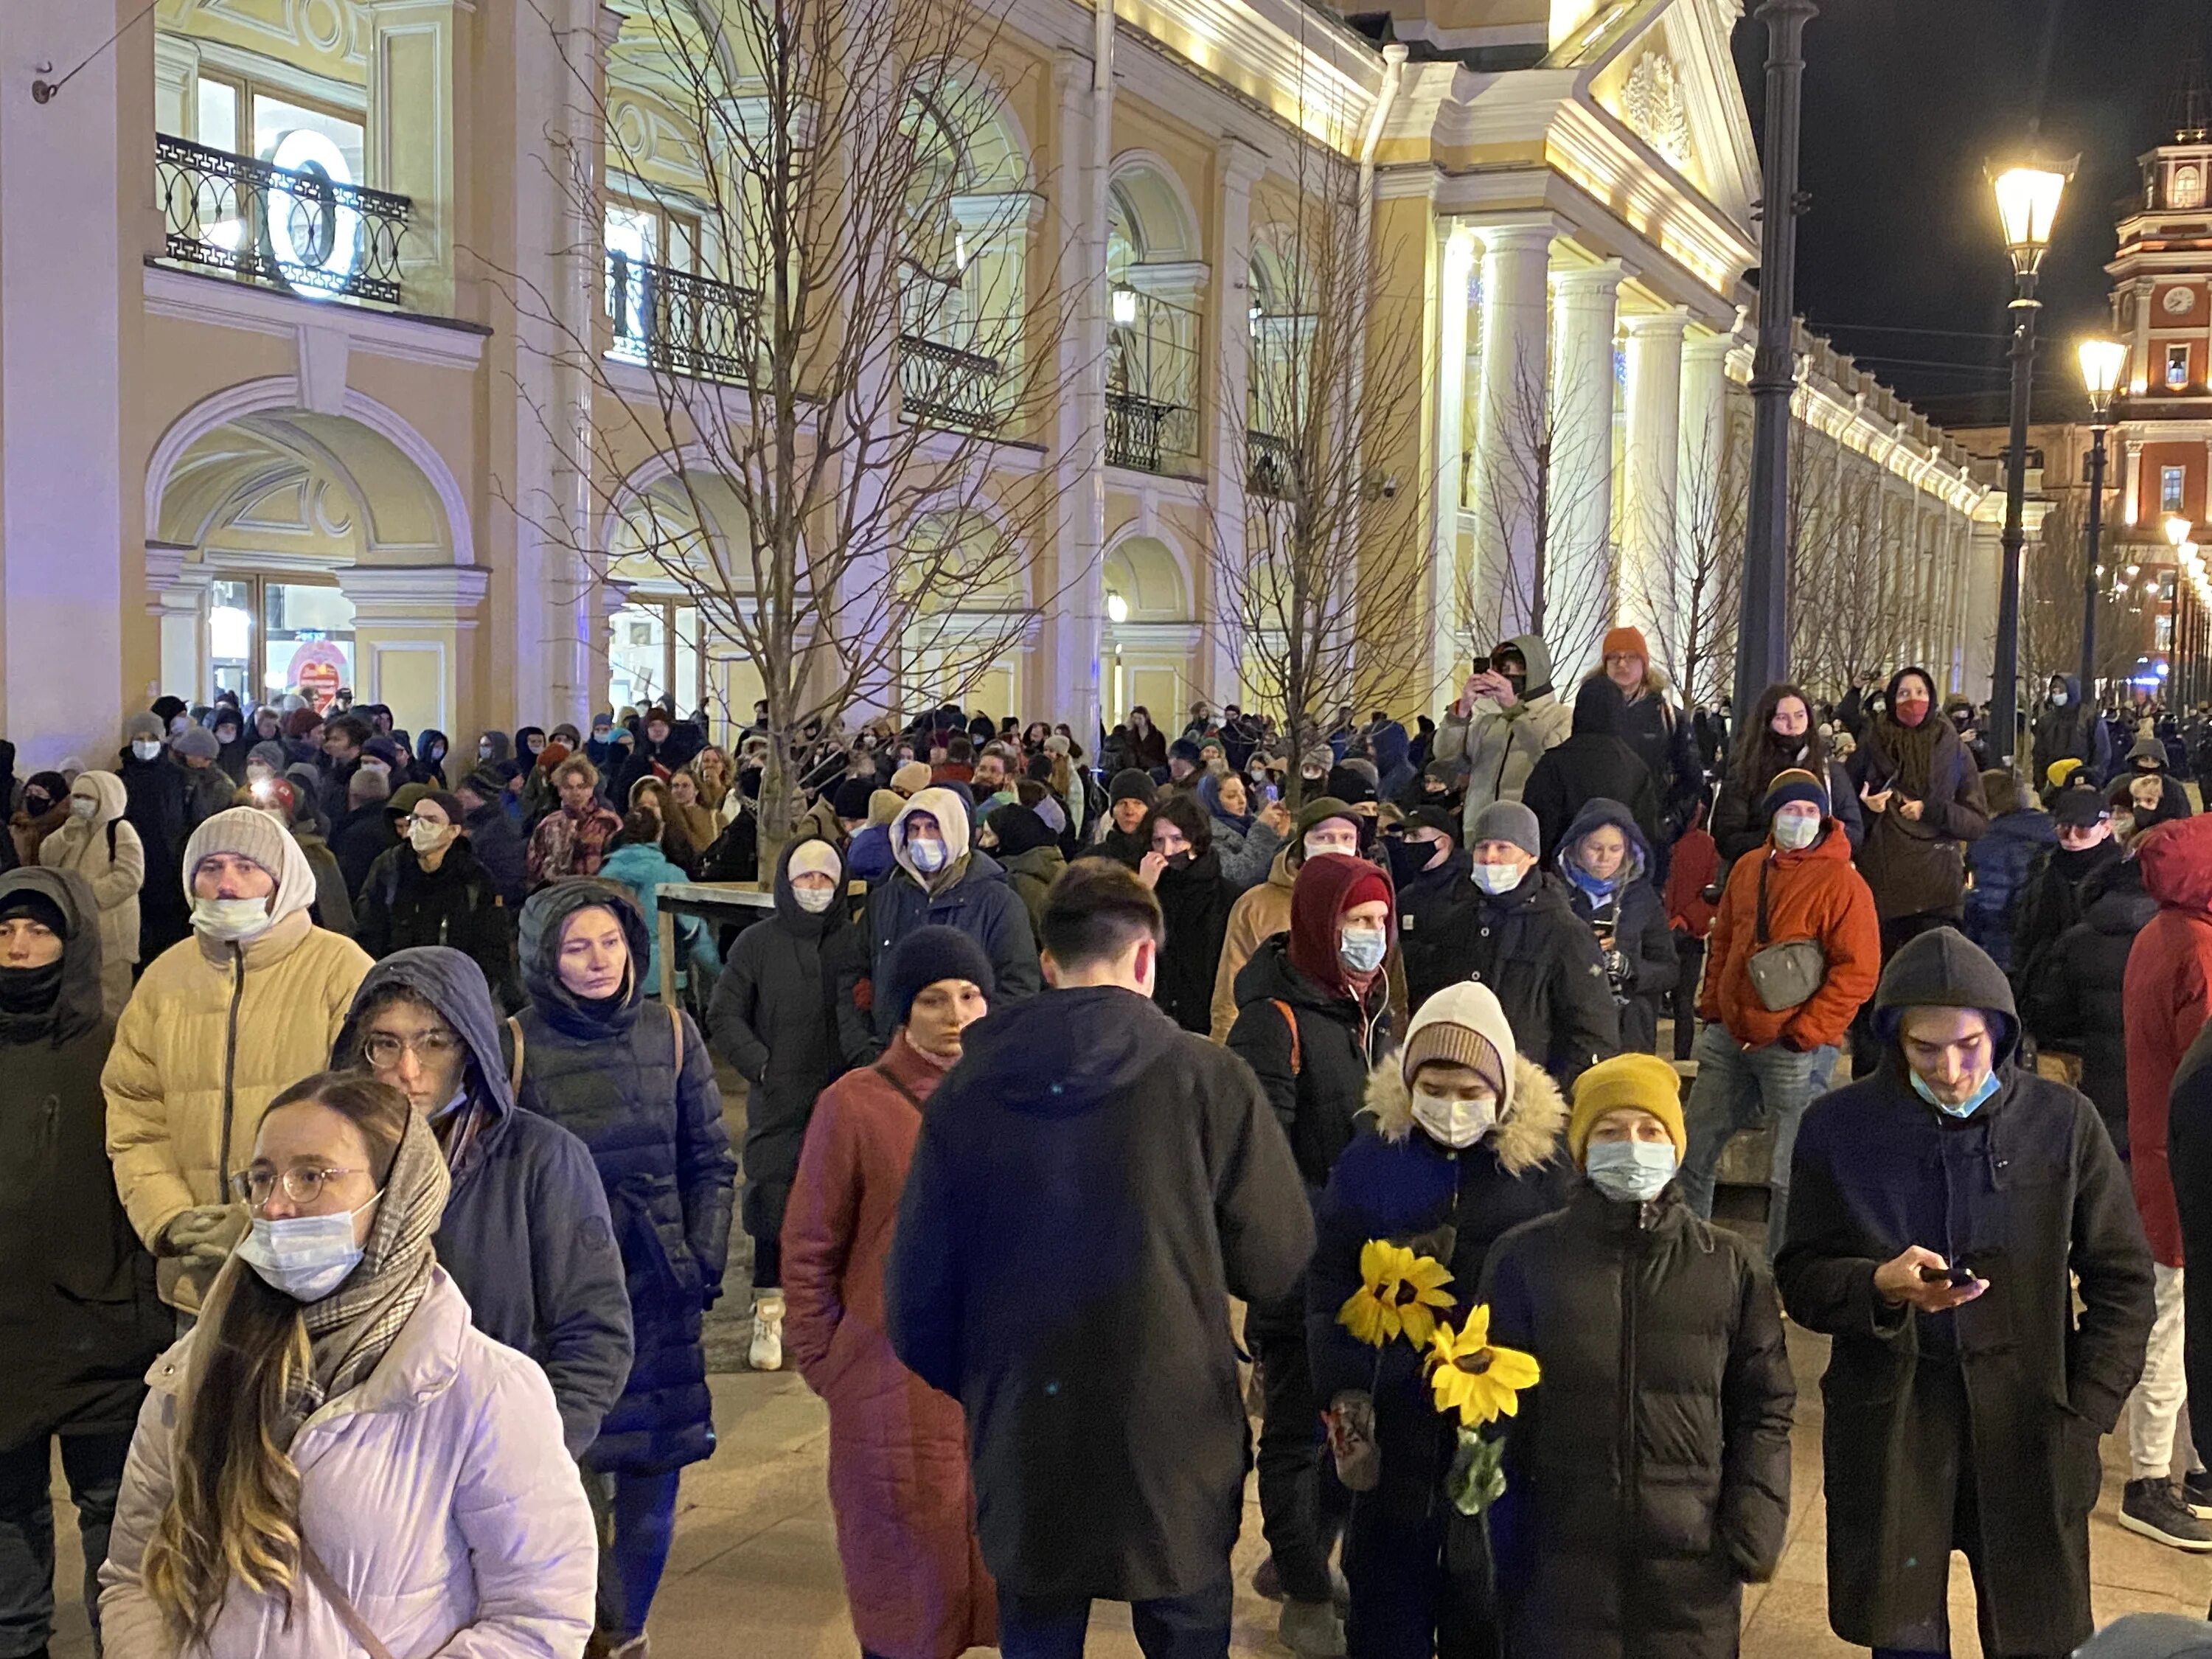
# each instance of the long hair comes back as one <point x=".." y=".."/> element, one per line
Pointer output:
<point x="1764" y="754"/>
<point x="233" y="1508"/>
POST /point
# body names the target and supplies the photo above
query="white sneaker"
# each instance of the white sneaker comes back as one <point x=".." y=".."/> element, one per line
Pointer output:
<point x="767" y="1351"/>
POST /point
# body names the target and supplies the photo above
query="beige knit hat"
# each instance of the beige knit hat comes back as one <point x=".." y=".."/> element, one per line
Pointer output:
<point x="911" y="779"/>
<point x="247" y="832"/>
<point x="1462" y="1023"/>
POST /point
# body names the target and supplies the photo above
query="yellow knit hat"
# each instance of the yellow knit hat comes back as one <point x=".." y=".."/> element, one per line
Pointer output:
<point x="2059" y="770"/>
<point x="1645" y="1082"/>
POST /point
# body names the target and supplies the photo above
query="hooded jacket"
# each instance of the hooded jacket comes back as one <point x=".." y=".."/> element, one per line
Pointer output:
<point x="1917" y="866"/>
<point x="2076" y="1000"/>
<point x="403" y="905"/>
<point x="2003" y="861"/>
<point x="1659" y="732"/>
<point x="774" y="1019"/>
<point x="1812" y="894"/>
<point x="79" y="1320"/>
<point x="1029" y="854"/>
<point x="2168" y="990"/>
<point x="499" y="847"/>
<point x="2028" y="1187"/>
<point x="1594" y="764"/>
<point x="106" y="851"/>
<point x="525" y="1235"/>
<point x="1058" y="1321"/>
<point x="2072" y="730"/>
<point x="213" y="1032"/>
<point x="1626" y="919"/>
<point x="2052" y="903"/>
<point x="153" y="804"/>
<point x="643" y="868"/>
<point x="970" y="893"/>
<point x="1499" y="747"/>
<point x="428" y="1492"/>
<point x="636" y="1086"/>
<point x="2172" y="797"/>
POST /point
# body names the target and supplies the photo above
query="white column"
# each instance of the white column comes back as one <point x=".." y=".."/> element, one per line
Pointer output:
<point x="176" y="62"/>
<point x="1237" y="167"/>
<point x="67" y="203"/>
<point x="1650" y="532"/>
<point x="1456" y="252"/>
<point x="1578" y="576"/>
<point x="2140" y="366"/>
<point x="1515" y="321"/>
<point x="178" y="591"/>
<point x="1984" y="552"/>
<point x="412" y="71"/>
<point x="1079" y="458"/>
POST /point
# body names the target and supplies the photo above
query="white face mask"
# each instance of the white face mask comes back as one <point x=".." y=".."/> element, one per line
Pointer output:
<point x="929" y="856"/>
<point x="146" y="749"/>
<point x="815" y="900"/>
<point x="426" y="837"/>
<point x="1316" y="848"/>
<point x="82" y="807"/>
<point x="230" y="919"/>
<point x="1631" y="1171"/>
<point x="1497" y="878"/>
<point x="1453" y="1122"/>
<point x="305" y="1256"/>
<point x="1795" y="835"/>
<point x="1362" y="948"/>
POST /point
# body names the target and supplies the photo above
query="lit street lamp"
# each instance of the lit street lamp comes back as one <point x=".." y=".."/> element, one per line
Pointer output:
<point x="2102" y="363"/>
<point x="2027" y="201"/>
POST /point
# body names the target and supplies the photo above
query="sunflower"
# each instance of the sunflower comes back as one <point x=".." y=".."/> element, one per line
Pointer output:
<point x="1398" y="1295"/>
<point x="1482" y="1384"/>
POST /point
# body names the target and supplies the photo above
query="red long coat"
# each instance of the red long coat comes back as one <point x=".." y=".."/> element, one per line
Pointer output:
<point x="914" y="1576"/>
<point x="2168" y="994"/>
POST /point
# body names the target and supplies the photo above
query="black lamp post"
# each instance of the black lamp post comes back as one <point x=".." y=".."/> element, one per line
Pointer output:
<point x="2027" y="201"/>
<point x="2102" y="363"/>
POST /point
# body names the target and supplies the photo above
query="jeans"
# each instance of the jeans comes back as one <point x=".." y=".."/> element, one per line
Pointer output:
<point x="1691" y="954"/>
<point x="93" y="1464"/>
<point x="1302" y="1504"/>
<point x="2152" y="1412"/>
<point x="1739" y="1089"/>
<point x="636" y="1514"/>
<point x="1192" y="1626"/>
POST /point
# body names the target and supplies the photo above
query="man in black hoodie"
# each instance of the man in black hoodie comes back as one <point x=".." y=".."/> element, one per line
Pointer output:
<point x="1594" y="764"/>
<point x="526" y="1234"/>
<point x="2068" y="729"/>
<point x="1091" y="1186"/>
<point x="156" y="791"/>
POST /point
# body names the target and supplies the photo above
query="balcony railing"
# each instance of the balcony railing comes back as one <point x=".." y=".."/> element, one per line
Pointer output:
<point x="1270" y="464"/>
<point x="1144" y="433"/>
<point x="683" y="323"/>
<point x="293" y="228"/>
<point x="943" y="385"/>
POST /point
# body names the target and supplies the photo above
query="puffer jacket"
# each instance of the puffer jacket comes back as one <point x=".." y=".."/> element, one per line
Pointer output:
<point x="1812" y="894"/>
<point x="2002" y="861"/>
<point x="1627" y="920"/>
<point x="2075" y="997"/>
<point x="107" y="852"/>
<point x="1648" y="1474"/>
<point x="427" y="1492"/>
<point x="1311" y="1050"/>
<point x="636" y="1085"/>
<point x="1259" y="913"/>
<point x="2169" y="995"/>
<point x="1499" y="747"/>
<point x="79" y="1321"/>
<point x="215" y="1032"/>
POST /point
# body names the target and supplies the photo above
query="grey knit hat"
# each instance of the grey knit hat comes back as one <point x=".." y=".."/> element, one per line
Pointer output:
<point x="143" y="725"/>
<point x="195" y="741"/>
<point x="1508" y="821"/>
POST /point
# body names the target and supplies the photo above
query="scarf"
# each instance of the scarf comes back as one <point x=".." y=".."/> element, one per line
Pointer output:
<point x="1910" y="750"/>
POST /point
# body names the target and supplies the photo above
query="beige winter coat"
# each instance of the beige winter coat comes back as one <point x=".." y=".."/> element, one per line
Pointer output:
<point x="215" y="1032"/>
<point x="81" y="845"/>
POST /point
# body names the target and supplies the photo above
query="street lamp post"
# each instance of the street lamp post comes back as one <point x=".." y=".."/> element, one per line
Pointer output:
<point x="2177" y="531"/>
<point x="2101" y="363"/>
<point x="1763" y="631"/>
<point x="2027" y="201"/>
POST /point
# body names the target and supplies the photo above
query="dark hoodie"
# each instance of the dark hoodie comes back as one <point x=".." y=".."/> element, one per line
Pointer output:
<point x="2075" y="997"/>
<point x="430" y="757"/>
<point x="1593" y="762"/>
<point x="2172" y="798"/>
<point x="526" y="1234"/>
<point x="2071" y="731"/>
<point x="1091" y="1187"/>
<point x="636" y="1085"/>
<point x="774" y="1018"/>
<point x="1627" y="919"/>
<point x="80" y="1322"/>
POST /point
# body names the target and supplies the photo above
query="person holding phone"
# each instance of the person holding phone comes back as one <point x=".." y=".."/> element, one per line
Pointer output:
<point x="1505" y="720"/>
<point x="1922" y="795"/>
<point x="1941" y="1211"/>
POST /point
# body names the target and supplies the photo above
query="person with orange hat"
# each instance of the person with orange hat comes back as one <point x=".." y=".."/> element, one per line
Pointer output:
<point x="1659" y="732"/>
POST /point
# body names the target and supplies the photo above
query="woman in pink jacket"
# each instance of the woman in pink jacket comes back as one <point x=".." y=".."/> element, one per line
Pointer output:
<point x="914" y="1576"/>
<point x="334" y="1461"/>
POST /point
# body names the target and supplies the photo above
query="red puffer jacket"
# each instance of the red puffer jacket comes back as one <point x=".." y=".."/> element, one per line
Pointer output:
<point x="1815" y="894"/>
<point x="2168" y="994"/>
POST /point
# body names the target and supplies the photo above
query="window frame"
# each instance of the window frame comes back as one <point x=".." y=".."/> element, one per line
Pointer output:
<point x="2177" y="358"/>
<point x="2172" y="488"/>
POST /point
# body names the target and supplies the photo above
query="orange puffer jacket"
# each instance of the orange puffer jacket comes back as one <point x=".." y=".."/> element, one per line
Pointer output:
<point x="1815" y="894"/>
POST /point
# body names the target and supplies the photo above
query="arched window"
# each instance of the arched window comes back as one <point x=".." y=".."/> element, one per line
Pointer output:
<point x="2188" y="186"/>
<point x="1152" y="362"/>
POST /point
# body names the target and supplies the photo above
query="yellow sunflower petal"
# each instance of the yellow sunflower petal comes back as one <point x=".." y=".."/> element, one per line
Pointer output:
<point x="1475" y="1334"/>
<point x="1419" y="1323"/>
<point x="1514" y="1370"/>
<point x="1440" y="1346"/>
<point x="1362" y="1315"/>
<point x="1428" y="1273"/>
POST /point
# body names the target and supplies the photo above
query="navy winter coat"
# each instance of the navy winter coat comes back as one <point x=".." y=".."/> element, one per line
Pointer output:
<point x="636" y="1085"/>
<point x="2002" y="861"/>
<point x="1634" y="919"/>
<point x="526" y="1234"/>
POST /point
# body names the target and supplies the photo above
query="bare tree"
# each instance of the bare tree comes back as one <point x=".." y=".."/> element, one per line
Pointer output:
<point x="2050" y="607"/>
<point x="823" y="316"/>
<point x="1690" y="589"/>
<point x="1329" y="572"/>
<point x="1853" y="607"/>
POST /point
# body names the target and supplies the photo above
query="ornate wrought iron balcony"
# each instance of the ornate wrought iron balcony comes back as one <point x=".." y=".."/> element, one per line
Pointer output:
<point x="683" y="323"/>
<point x="943" y="385"/>
<point x="1270" y="464"/>
<point x="293" y="229"/>
<point x="1144" y="433"/>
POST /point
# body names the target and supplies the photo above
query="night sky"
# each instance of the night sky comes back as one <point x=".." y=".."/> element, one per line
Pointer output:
<point x="1904" y="100"/>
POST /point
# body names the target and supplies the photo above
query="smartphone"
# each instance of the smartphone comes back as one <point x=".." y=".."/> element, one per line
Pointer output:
<point x="1960" y="1277"/>
<point x="1272" y="795"/>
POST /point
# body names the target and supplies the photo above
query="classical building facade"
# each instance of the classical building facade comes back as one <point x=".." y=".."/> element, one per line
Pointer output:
<point x="284" y="286"/>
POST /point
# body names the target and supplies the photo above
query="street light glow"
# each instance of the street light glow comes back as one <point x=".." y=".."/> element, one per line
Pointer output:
<point x="2102" y="362"/>
<point x="2027" y="202"/>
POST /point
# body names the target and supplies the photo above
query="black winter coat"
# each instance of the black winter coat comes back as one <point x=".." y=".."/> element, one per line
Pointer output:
<point x="154" y="795"/>
<point x="402" y="905"/>
<point x="774" y="1018"/>
<point x="2011" y="1391"/>
<point x="2074" y="1002"/>
<point x="2052" y="903"/>
<point x="1648" y="1474"/>
<point x="1631" y="922"/>
<point x="525" y="1235"/>
<point x="80" y="1322"/>
<point x="2003" y="861"/>
<point x="1316" y="1084"/>
<point x="1530" y="948"/>
<point x="1660" y="734"/>
<point x="208" y="790"/>
<point x="643" y="1100"/>
<point x="1195" y="902"/>
<point x="1918" y="866"/>
<point x="1091" y="1185"/>
<point x="1587" y="767"/>
<point x="499" y="847"/>
<point x="358" y="839"/>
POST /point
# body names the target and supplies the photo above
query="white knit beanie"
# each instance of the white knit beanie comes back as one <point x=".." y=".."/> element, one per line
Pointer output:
<point x="247" y="832"/>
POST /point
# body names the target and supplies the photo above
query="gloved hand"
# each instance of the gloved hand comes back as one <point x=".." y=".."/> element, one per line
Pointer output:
<point x="1351" y="1422"/>
<point x="204" y="1234"/>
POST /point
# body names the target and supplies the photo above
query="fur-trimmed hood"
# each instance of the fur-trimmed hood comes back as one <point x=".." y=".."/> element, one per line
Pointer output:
<point x="1532" y="1119"/>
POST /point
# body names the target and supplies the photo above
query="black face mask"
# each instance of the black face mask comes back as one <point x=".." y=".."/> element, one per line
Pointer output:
<point x="30" y="990"/>
<point x="35" y="803"/>
<point x="1181" y="861"/>
<point x="1407" y="858"/>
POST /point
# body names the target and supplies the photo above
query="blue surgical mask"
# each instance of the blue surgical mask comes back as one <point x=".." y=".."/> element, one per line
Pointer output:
<point x="1966" y="1107"/>
<point x="1631" y="1171"/>
<point x="929" y="856"/>
<point x="1496" y="878"/>
<point x="1362" y="948"/>
<point x="305" y="1256"/>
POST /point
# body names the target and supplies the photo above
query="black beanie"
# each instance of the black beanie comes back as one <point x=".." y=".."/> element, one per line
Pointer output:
<point x="926" y="956"/>
<point x="850" y="803"/>
<point x="1131" y="784"/>
<point x="29" y="901"/>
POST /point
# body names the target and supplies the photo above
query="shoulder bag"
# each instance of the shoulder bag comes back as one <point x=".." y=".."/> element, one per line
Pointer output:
<point x="1785" y="975"/>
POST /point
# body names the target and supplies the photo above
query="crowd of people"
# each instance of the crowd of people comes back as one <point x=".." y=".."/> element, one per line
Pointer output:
<point x="369" y="1183"/>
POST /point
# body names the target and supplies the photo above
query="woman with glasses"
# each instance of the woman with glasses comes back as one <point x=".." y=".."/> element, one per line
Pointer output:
<point x="634" y="1082"/>
<point x="431" y="890"/>
<point x="526" y="1234"/>
<point x="334" y="1461"/>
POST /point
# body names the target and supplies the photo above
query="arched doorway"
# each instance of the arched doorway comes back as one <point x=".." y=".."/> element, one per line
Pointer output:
<point x="1146" y="645"/>
<point x="673" y="575"/>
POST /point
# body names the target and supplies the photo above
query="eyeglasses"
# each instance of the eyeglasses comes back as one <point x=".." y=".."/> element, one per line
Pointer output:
<point x="382" y="1050"/>
<point x="302" y="1184"/>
